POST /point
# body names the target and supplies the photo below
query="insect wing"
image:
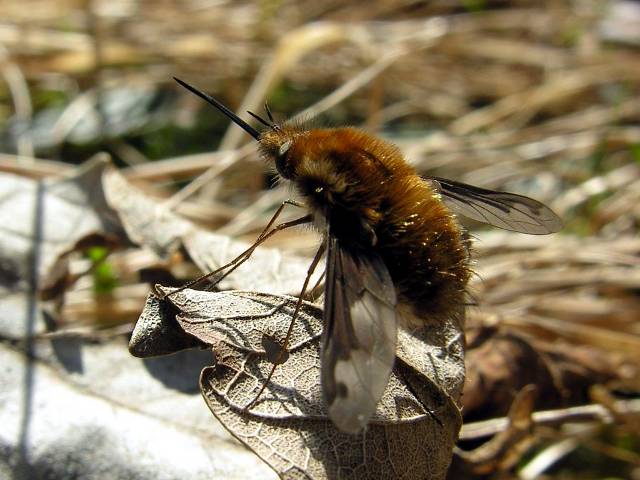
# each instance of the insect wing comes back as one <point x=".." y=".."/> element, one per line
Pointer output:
<point x="359" y="337"/>
<point x="500" y="209"/>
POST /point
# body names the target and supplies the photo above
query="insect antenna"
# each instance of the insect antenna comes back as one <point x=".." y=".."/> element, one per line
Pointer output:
<point x="261" y="120"/>
<point x="273" y="125"/>
<point x="269" y="114"/>
<point x="232" y="116"/>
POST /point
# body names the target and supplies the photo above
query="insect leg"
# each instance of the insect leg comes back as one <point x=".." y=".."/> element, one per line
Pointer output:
<point x="266" y="233"/>
<point x="312" y="267"/>
<point x="277" y="214"/>
<point x="236" y="262"/>
<point x="316" y="290"/>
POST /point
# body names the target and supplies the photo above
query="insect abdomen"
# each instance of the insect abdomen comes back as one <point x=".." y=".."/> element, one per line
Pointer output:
<point x="424" y="250"/>
<point x="374" y="199"/>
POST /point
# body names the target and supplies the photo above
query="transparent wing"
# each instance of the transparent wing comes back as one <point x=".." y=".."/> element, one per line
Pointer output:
<point x="500" y="209"/>
<point x="359" y="337"/>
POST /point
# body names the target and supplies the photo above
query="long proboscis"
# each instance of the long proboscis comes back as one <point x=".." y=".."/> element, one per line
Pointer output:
<point x="232" y="116"/>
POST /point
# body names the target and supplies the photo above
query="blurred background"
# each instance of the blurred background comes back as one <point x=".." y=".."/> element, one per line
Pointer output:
<point x="539" y="98"/>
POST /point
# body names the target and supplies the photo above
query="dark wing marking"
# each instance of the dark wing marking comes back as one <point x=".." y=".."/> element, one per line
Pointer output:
<point x="359" y="337"/>
<point x="500" y="209"/>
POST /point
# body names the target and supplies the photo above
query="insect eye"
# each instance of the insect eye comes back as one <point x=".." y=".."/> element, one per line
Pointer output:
<point x="281" y="161"/>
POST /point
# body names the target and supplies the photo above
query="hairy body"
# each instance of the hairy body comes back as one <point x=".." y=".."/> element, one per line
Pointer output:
<point x="373" y="199"/>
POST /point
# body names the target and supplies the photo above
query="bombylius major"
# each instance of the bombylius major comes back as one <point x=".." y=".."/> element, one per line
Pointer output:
<point x="392" y="244"/>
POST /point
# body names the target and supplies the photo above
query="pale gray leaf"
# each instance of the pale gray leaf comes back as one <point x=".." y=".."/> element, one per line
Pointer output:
<point x="288" y="425"/>
<point x="40" y="221"/>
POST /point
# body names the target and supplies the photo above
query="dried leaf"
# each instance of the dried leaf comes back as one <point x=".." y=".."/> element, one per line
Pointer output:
<point x="42" y="222"/>
<point x="157" y="332"/>
<point x="288" y="426"/>
<point x="504" y="450"/>
<point x="503" y="361"/>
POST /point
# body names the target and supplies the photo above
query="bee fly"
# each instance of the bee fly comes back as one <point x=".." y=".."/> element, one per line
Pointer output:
<point x="392" y="245"/>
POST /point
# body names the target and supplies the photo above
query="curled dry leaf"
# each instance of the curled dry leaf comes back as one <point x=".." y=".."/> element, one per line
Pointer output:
<point x="503" y="361"/>
<point x="505" y="449"/>
<point x="157" y="332"/>
<point x="288" y="426"/>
